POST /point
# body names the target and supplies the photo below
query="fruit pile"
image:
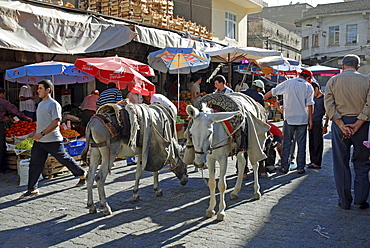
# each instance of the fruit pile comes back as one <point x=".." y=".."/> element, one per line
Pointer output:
<point x="182" y="109"/>
<point x="69" y="133"/>
<point x="20" y="128"/>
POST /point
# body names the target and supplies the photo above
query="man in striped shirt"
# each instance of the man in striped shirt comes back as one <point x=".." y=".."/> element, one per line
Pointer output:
<point x="110" y="95"/>
<point x="6" y="106"/>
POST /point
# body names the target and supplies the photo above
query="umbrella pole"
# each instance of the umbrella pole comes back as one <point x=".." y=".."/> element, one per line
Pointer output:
<point x="229" y="72"/>
<point x="53" y="89"/>
<point x="178" y="89"/>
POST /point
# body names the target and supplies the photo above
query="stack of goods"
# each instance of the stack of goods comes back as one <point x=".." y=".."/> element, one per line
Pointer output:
<point x="181" y="107"/>
<point x="19" y="129"/>
<point x="155" y="12"/>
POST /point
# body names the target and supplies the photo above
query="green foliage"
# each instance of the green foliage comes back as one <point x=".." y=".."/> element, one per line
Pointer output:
<point x="76" y="112"/>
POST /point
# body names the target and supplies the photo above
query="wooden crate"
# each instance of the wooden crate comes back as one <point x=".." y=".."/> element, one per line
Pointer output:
<point x="12" y="159"/>
<point x="52" y="166"/>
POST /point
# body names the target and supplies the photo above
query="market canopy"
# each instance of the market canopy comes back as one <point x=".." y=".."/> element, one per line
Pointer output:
<point x="321" y="70"/>
<point x="35" y="28"/>
<point x="235" y="54"/>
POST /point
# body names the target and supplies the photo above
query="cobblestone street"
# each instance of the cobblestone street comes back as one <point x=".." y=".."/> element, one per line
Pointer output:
<point x="292" y="207"/>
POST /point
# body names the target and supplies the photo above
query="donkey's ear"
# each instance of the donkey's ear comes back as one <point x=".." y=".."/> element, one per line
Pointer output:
<point x="222" y="116"/>
<point x="192" y="111"/>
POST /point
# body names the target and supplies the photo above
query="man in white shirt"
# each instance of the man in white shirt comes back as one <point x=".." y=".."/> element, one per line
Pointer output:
<point x="27" y="102"/>
<point x="240" y="86"/>
<point x="298" y="102"/>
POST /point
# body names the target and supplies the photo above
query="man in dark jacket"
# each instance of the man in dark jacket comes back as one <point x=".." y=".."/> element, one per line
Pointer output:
<point x="256" y="91"/>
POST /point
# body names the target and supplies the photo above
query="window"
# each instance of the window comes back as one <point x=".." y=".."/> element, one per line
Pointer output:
<point x="305" y="42"/>
<point x="334" y="35"/>
<point x="351" y="34"/>
<point x="230" y="25"/>
<point x="315" y="40"/>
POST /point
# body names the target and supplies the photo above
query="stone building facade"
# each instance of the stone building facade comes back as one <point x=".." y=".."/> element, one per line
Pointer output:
<point x="266" y="34"/>
<point x="331" y="31"/>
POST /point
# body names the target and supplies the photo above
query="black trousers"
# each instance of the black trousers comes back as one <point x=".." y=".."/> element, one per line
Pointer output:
<point x="316" y="143"/>
<point x="2" y="148"/>
<point x="39" y="154"/>
<point x="86" y="115"/>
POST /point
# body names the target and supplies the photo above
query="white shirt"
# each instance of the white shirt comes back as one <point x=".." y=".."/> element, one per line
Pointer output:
<point x="135" y="98"/>
<point x="28" y="105"/>
<point x="297" y="94"/>
<point x="163" y="100"/>
<point x="239" y="87"/>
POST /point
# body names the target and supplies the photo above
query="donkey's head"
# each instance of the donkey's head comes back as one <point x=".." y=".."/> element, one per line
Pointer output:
<point x="202" y="131"/>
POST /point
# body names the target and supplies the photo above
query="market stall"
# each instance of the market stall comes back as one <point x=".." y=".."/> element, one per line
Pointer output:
<point x="19" y="140"/>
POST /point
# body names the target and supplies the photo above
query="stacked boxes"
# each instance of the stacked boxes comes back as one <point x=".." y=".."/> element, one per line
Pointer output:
<point x="155" y="12"/>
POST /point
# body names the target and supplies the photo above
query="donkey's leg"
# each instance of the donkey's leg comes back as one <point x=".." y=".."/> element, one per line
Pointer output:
<point x="241" y="165"/>
<point x="222" y="186"/>
<point x="100" y="178"/>
<point x="257" y="193"/>
<point x="94" y="162"/>
<point x="212" y="187"/>
<point x="158" y="191"/>
<point x="138" y="174"/>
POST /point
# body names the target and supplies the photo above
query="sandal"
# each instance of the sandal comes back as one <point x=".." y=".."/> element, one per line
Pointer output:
<point x="312" y="166"/>
<point x="29" y="194"/>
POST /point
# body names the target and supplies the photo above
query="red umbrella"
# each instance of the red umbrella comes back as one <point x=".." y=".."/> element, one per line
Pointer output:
<point x="122" y="71"/>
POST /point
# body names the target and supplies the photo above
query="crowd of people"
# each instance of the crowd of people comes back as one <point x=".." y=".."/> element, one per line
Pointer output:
<point x="346" y="102"/>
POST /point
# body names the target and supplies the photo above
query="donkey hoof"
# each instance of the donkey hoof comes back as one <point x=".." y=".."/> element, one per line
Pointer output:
<point x="159" y="193"/>
<point x="257" y="196"/>
<point x="107" y="211"/>
<point x="92" y="210"/>
<point x="220" y="216"/>
<point x="135" y="198"/>
<point x="210" y="214"/>
<point x="233" y="196"/>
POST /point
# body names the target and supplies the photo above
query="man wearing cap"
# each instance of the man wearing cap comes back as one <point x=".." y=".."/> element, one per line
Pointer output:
<point x="298" y="100"/>
<point x="256" y="91"/>
<point x="347" y="103"/>
<point x="88" y="106"/>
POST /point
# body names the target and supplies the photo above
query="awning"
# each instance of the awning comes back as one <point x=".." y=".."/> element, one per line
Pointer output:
<point x="162" y="38"/>
<point x="43" y="29"/>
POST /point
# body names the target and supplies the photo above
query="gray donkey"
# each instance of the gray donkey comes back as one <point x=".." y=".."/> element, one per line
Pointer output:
<point x="149" y="134"/>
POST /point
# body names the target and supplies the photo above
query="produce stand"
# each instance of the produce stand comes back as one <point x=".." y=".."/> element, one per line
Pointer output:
<point x="52" y="166"/>
<point x="273" y="112"/>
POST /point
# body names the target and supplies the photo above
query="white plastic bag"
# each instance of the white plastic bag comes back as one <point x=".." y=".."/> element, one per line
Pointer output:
<point x="23" y="171"/>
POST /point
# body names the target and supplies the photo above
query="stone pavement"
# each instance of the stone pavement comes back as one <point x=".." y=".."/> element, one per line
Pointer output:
<point x="291" y="208"/>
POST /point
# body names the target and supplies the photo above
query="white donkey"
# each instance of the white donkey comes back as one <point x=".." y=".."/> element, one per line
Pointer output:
<point x="212" y="143"/>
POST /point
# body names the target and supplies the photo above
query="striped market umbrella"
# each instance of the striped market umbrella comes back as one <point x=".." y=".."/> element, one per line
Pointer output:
<point x="176" y="60"/>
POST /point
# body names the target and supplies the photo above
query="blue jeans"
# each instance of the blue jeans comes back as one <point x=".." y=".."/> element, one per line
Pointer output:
<point x="300" y="133"/>
<point x="341" y="163"/>
<point x="39" y="154"/>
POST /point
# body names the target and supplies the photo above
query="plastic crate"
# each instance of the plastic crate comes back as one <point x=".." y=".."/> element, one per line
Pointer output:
<point x="179" y="126"/>
<point x="76" y="147"/>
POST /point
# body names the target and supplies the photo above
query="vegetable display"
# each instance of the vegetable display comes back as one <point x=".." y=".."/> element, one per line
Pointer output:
<point x="69" y="133"/>
<point x="25" y="144"/>
<point x="182" y="108"/>
<point x="20" y="128"/>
